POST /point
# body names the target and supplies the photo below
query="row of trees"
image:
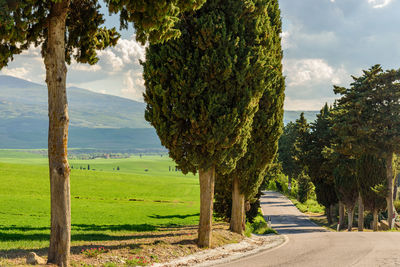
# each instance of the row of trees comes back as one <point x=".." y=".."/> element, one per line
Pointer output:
<point x="348" y="151"/>
<point x="215" y="97"/>
<point x="214" y="92"/>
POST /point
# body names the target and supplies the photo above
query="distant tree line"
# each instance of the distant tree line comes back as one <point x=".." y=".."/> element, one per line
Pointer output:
<point x="348" y="153"/>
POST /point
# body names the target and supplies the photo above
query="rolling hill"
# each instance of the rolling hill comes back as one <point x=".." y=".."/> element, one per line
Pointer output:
<point x="97" y="121"/>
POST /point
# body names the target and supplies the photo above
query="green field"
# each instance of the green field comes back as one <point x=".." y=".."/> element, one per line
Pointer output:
<point x="106" y="204"/>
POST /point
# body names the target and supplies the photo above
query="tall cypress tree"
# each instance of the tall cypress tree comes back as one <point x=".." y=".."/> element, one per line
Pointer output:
<point x="203" y="89"/>
<point x="68" y="29"/>
<point x="267" y="125"/>
<point x="318" y="161"/>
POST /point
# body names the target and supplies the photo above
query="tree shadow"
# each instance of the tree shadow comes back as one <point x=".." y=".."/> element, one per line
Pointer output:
<point x="175" y="216"/>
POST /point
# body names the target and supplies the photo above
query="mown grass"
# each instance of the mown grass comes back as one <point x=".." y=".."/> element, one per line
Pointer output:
<point x="106" y="204"/>
<point x="259" y="226"/>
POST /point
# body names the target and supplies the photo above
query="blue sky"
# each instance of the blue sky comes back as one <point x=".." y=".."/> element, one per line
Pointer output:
<point x="324" y="42"/>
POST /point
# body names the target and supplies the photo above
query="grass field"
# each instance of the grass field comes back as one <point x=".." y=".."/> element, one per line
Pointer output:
<point x="106" y="204"/>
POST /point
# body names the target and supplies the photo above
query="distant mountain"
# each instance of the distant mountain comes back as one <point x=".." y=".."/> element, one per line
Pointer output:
<point x="97" y="121"/>
<point x="293" y="115"/>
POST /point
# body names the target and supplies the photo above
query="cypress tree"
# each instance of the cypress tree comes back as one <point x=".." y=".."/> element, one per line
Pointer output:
<point x="203" y="89"/>
<point x="67" y="29"/>
<point x="371" y="178"/>
<point x="346" y="184"/>
<point x="371" y="123"/>
<point x="286" y="150"/>
<point x="267" y="125"/>
<point x="319" y="162"/>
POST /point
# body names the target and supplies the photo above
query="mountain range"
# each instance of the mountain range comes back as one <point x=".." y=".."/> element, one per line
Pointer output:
<point x="97" y="121"/>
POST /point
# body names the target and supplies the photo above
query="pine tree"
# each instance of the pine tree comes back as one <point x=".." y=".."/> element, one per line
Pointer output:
<point x="203" y="89"/>
<point x="67" y="29"/>
<point x="286" y="150"/>
<point x="371" y="119"/>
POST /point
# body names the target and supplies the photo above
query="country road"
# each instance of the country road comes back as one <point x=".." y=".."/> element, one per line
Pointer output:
<point x="311" y="245"/>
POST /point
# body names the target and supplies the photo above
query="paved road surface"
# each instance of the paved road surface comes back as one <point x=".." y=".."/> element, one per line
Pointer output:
<point x="311" y="245"/>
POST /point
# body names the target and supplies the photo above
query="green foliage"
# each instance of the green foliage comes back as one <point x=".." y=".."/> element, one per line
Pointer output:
<point x="311" y="205"/>
<point x="24" y="23"/>
<point x="371" y="178"/>
<point x="346" y="181"/>
<point x="286" y="150"/>
<point x="369" y="120"/>
<point x="305" y="187"/>
<point x="154" y="20"/>
<point x="259" y="226"/>
<point x="397" y="205"/>
<point x="203" y="89"/>
<point x="319" y="165"/>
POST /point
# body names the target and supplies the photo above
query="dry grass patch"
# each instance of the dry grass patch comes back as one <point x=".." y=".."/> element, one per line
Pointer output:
<point x="144" y="248"/>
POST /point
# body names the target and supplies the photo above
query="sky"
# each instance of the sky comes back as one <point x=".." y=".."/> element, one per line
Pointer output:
<point x="324" y="43"/>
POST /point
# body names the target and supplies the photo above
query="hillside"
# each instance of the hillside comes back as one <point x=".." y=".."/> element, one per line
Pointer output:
<point x="97" y="121"/>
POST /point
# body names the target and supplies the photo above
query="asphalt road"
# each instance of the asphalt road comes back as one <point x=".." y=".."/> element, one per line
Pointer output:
<point x="311" y="245"/>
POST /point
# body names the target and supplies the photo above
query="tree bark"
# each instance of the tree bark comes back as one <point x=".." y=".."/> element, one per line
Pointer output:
<point x="360" y="214"/>
<point x="341" y="215"/>
<point x="396" y="180"/>
<point x="389" y="197"/>
<point x="56" y="73"/>
<point x="238" y="213"/>
<point x="350" y="214"/>
<point x="375" y="221"/>
<point x="328" y="214"/>
<point x="207" y="181"/>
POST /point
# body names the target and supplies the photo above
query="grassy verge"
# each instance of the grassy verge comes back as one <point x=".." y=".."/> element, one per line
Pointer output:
<point x="259" y="226"/>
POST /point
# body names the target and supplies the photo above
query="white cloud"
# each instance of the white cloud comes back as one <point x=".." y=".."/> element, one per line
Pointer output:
<point x="379" y="3"/>
<point x="307" y="104"/>
<point x="17" y="72"/>
<point x="133" y="86"/>
<point x="300" y="72"/>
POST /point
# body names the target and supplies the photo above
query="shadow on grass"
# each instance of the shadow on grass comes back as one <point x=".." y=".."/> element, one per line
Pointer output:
<point x="175" y="216"/>
<point x="88" y="237"/>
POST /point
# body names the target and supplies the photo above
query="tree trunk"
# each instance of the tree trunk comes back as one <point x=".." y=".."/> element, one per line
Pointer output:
<point x="207" y="181"/>
<point x="238" y="213"/>
<point x="360" y="214"/>
<point x="341" y="215"/>
<point x="56" y="72"/>
<point x="328" y="214"/>
<point x="333" y="215"/>
<point x="350" y="214"/>
<point x="396" y="180"/>
<point x="389" y="197"/>
<point x="375" y="221"/>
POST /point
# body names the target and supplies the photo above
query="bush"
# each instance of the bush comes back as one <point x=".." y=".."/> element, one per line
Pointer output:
<point x="305" y="187"/>
<point x="259" y="226"/>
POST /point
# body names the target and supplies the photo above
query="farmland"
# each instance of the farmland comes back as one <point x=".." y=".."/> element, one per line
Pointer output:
<point x="107" y="204"/>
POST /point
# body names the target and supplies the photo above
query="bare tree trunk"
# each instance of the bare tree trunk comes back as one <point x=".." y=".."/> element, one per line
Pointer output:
<point x="396" y="180"/>
<point x="56" y="73"/>
<point x="360" y="214"/>
<point x="341" y="215"/>
<point x="333" y="215"/>
<point x="350" y="214"/>
<point x="328" y="214"/>
<point x="375" y="221"/>
<point x="238" y="213"/>
<point x="207" y="181"/>
<point x="389" y="197"/>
